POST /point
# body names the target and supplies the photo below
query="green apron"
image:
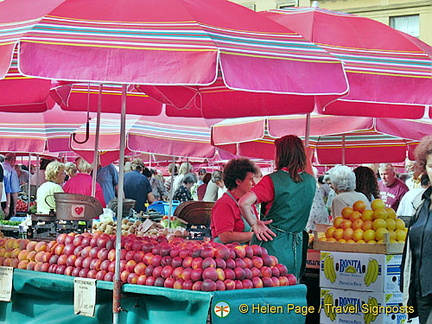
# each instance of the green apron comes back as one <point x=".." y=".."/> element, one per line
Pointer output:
<point x="247" y="227"/>
<point x="290" y="213"/>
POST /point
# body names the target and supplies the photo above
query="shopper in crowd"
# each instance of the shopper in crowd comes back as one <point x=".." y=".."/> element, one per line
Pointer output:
<point x="406" y="205"/>
<point x="55" y="175"/>
<point x="81" y="183"/>
<point x="173" y="172"/>
<point x="23" y="175"/>
<point x="12" y="185"/>
<point x="343" y="182"/>
<point x="391" y="188"/>
<point x="201" y="190"/>
<point x="415" y="173"/>
<point x="107" y="177"/>
<point x="158" y="188"/>
<point x="39" y="176"/>
<point x="286" y="198"/>
<point x="137" y="186"/>
<point x="416" y="279"/>
<point x="366" y="182"/>
<point x="183" y="193"/>
<point x="2" y="187"/>
<point x="71" y="170"/>
<point x="201" y="174"/>
<point x="215" y="187"/>
<point x="185" y="168"/>
<point x="227" y="223"/>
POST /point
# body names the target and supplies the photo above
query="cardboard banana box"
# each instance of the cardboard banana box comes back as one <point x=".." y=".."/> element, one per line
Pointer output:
<point x="360" y="271"/>
<point x="349" y="306"/>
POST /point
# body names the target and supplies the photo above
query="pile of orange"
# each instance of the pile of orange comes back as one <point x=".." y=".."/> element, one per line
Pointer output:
<point x="360" y="225"/>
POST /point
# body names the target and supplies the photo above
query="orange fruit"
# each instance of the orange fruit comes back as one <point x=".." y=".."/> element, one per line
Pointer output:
<point x="338" y="234"/>
<point x="331" y="239"/>
<point x="323" y="239"/>
<point x="377" y="203"/>
<point x="393" y="235"/>
<point x="346" y="223"/>
<point x="391" y="224"/>
<point x="400" y="224"/>
<point x="361" y="241"/>
<point x="358" y="223"/>
<point x="367" y="225"/>
<point x="379" y="223"/>
<point x="372" y="242"/>
<point x="359" y="206"/>
<point x="400" y="235"/>
<point x="379" y="233"/>
<point x="391" y="213"/>
<point x="337" y="222"/>
<point x="355" y="215"/>
<point x="348" y="233"/>
<point x="380" y="213"/>
<point x="342" y="240"/>
<point x="367" y="215"/>
<point x="358" y="234"/>
<point x="350" y="241"/>
<point x="346" y="212"/>
<point x="329" y="231"/>
<point x="369" y="235"/>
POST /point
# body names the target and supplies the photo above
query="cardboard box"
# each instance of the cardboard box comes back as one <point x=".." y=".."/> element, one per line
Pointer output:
<point x="353" y="307"/>
<point x="313" y="259"/>
<point x="360" y="271"/>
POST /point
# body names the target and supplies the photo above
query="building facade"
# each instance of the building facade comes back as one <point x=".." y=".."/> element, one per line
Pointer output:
<point x="413" y="16"/>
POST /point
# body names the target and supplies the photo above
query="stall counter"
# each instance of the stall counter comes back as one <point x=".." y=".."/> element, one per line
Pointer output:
<point x="40" y="297"/>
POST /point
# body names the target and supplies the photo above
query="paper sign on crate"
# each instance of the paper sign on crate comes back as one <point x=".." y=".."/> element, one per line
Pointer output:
<point x="359" y="271"/>
<point x="362" y="307"/>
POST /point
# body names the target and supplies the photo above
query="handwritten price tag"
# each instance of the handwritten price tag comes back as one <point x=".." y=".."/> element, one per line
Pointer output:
<point x="6" y="277"/>
<point x="84" y="296"/>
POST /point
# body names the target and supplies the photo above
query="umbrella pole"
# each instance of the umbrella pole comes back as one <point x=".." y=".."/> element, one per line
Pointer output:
<point x="117" y="281"/>
<point x="96" y="150"/>
<point x="343" y="149"/>
<point x="307" y="133"/>
<point x="171" y="193"/>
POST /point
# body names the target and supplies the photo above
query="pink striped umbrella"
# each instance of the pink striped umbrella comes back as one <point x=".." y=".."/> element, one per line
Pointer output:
<point x="389" y="72"/>
<point x="337" y="139"/>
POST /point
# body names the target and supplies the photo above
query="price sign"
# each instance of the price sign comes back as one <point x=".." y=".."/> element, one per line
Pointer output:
<point x="84" y="296"/>
<point x="6" y="277"/>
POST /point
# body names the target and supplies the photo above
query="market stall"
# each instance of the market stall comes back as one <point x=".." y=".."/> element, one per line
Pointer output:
<point x="48" y="298"/>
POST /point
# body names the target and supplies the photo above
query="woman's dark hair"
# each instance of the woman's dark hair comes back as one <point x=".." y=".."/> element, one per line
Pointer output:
<point x="366" y="182"/>
<point x="189" y="178"/>
<point x="290" y="153"/>
<point x="147" y="173"/>
<point x="207" y="177"/>
<point x="237" y="169"/>
<point x="422" y="151"/>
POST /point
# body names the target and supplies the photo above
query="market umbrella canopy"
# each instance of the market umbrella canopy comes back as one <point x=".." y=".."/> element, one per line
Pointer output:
<point x="17" y="92"/>
<point x="389" y="72"/>
<point x="84" y="96"/>
<point x="184" y="43"/>
<point x="162" y="135"/>
<point x="336" y="139"/>
<point x="42" y="132"/>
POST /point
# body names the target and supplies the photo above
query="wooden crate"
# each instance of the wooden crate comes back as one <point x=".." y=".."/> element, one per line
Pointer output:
<point x="379" y="248"/>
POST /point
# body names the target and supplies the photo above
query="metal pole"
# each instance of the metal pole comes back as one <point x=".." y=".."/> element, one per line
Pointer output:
<point x="96" y="150"/>
<point x="343" y="149"/>
<point x="307" y="133"/>
<point x="117" y="281"/>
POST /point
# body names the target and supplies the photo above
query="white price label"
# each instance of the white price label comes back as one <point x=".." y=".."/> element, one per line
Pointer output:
<point x="84" y="296"/>
<point x="6" y="277"/>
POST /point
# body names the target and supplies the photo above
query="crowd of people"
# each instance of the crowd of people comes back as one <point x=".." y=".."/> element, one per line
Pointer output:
<point x="275" y="210"/>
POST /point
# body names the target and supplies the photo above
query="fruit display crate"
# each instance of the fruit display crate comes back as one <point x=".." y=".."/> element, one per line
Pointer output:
<point x="376" y="248"/>
<point x="40" y="297"/>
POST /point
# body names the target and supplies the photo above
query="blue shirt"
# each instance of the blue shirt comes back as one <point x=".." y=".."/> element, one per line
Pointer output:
<point x="137" y="186"/>
<point x="107" y="177"/>
<point x="10" y="179"/>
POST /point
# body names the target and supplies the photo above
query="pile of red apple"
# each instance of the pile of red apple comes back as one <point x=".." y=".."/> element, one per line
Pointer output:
<point x="180" y="263"/>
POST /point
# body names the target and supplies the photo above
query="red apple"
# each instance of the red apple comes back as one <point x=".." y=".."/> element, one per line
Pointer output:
<point x="150" y="281"/>
<point x="31" y="265"/>
<point x="220" y="263"/>
<point x="266" y="272"/>
<point x="230" y="263"/>
<point x="291" y="279"/>
<point x="62" y="260"/>
<point x="197" y="263"/>
<point x="30" y="246"/>
<point x="124" y="275"/>
<point x="240" y="263"/>
<point x="69" y="238"/>
<point x="78" y="240"/>
<point x="156" y="260"/>
<point x="240" y="251"/>
<point x="178" y="283"/>
<point x="282" y="269"/>
<point x="207" y="253"/>
<point x="92" y="274"/>
<point x="86" y="251"/>
<point x="256" y="249"/>
<point x="175" y="251"/>
<point x="78" y="262"/>
<point x="53" y="259"/>
<point x="157" y="271"/>
<point x="222" y="252"/>
<point x="132" y="278"/>
<point x="77" y="250"/>
<point x="196" y="252"/>
<point x="75" y="272"/>
<point x="86" y="241"/>
<point x="239" y="273"/>
<point x="130" y="265"/>
<point x="196" y="274"/>
<point x="267" y="281"/>
<point x="149" y="270"/>
<point x="255" y="272"/>
<point x="109" y="276"/>
<point x="229" y="273"/>
<point x="165" y="250"/>
<point x="139" y="256"/>
<point x="187" y="273"/>
<point x="169" y="282"/>
<point x="176" y="262"/>
<point x="83" y="273"/>
<point x="197" y="285"/>
<point x="112" y="255"/>
<point x="178" y="273"/>
<point x="166" y="260"/>
<point x="86" y="262"/>
<point x="141" y="280"/>
<point x="95" y="264"/>
<point x="257" y="262"/>
<point x="229" y="284"/>
<point x="247" y="284"/>
<point x="147" y="247"/>
<point x="275" y="272"/>
<point x="248" y="273"/>
<point x="257" y="282"/>
<point x="220" y="274"/>
<point x="103" y="254"/>
<point x="210" y="273"/>
<point x="187" y="262"/>
<point x="276" y="282"/>
<point x="23" y="264"/>
<point x="52" y="268"/>
<point x="140" y="268"/>
<point x="187" y="284"/>
<point x="167" y="272"/>
<point x="148" y="257"/>
<point x="208" y="285"/>
<point x="159" y="282"/>
<point x="208" y="263"/>
<point x="185" y="253"/>
<point x="68" y="270"/>
<point x="61" y="238"/>
<point x="238" y="284"/>
<point x="100" y="275"/>
<point x="105" y="265"/>
<point x="41" y="246"/>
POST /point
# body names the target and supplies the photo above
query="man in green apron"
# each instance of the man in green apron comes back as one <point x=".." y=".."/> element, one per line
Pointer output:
<point x="287" y="196"/>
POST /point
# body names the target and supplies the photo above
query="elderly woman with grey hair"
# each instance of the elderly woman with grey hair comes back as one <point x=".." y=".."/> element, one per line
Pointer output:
<point x="343" y="182"/>
<point x="183" y="193"/>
